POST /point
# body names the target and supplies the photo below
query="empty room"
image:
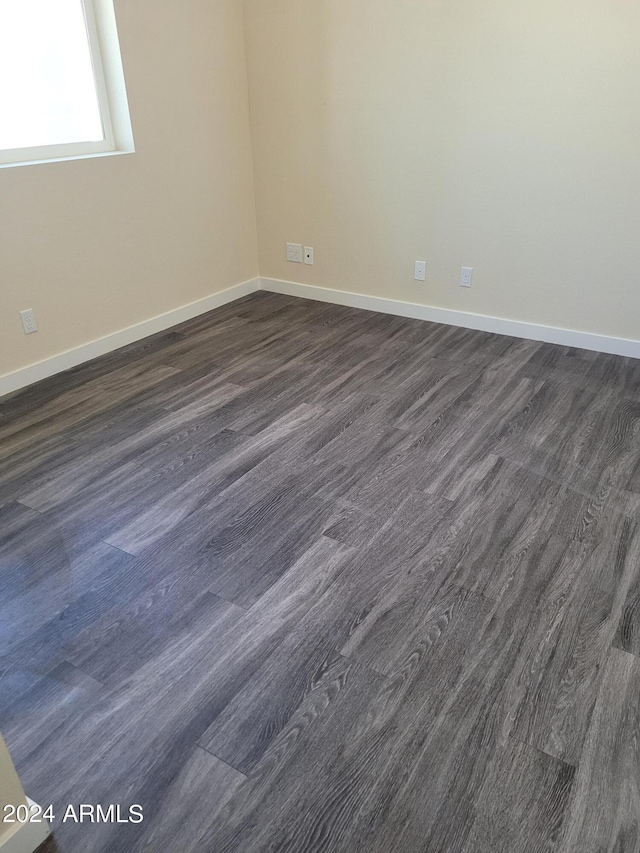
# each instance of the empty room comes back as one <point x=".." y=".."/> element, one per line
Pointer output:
<point x="319" y="426"/>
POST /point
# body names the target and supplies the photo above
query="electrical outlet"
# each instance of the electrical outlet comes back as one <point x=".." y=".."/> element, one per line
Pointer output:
<point x="29" y="321"/>
<point x="466" y="276"/>
<point x="294" y="253"/>
<point x="308" y="255"/>
<point x="420" y="273"/>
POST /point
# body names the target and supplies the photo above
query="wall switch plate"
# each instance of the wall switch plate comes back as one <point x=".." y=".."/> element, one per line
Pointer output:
<point x="294" y="252"/>
<point x="308" y="255"/>
<point x="466" y="276"/>
<point x="420" y="273"/>
<point x="29" y="321"/>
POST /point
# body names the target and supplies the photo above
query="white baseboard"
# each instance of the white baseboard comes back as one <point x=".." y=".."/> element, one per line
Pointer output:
<point x="514" y="328"/>
<point x="43" y="369"/>
<point x="27" y="837"/>
<point x="467" y="320"/>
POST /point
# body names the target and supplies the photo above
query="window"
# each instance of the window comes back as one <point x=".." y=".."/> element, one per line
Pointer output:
<point x="62" y="90"/>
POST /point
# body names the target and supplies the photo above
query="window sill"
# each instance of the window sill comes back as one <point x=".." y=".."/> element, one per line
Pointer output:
<point x="65" y="158"/>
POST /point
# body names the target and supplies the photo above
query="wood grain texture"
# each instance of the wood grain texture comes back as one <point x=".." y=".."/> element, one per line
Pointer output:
<point x="300" y="577"/>
<point x="605" y="810"/>
<point x="521" y="804"/>
<point x="563" y="679"/>
<point x="628" y="629"/>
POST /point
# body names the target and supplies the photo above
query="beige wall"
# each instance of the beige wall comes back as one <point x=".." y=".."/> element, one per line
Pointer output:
<point x="502" y="136"/>
<point x="10" y="791"/>
<point x="499" y="135"/>
<point x="97" y="245"/>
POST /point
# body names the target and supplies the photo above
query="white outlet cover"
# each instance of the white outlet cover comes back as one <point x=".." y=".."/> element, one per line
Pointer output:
<point x="308" y="255"/>
<point x="466" y="276"/>
<point x="29" y="324"/>
<point x="294" y="253"/>
<point x="420" y="273"/>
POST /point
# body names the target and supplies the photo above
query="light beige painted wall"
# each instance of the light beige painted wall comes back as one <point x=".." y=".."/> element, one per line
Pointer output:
<point x="95" y="246"/>
<point x="10" y="791"/>
<point x="499" y="135"/>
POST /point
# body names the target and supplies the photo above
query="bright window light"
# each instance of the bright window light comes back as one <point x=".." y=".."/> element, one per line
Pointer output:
<point x="58" y="97"/>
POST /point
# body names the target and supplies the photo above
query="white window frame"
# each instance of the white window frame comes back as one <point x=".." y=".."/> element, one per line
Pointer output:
<point x="108" y="74"/>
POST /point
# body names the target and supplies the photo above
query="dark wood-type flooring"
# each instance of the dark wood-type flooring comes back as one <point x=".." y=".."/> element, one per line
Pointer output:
<point x="298" y="577"/>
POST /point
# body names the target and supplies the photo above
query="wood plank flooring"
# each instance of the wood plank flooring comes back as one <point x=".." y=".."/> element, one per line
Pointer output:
<point x="299" y="577"/>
